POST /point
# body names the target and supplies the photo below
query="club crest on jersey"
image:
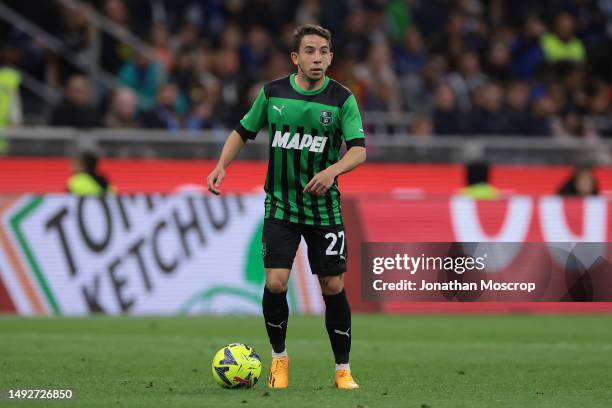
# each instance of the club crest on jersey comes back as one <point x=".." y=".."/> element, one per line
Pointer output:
<point x="326" y="117"/>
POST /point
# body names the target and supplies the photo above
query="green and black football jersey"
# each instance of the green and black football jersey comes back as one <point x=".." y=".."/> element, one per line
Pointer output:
<point x="306" y="130"/>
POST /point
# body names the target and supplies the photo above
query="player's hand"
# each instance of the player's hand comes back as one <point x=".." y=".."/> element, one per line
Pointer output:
<point x="320" y="183"/>
<point x="214" y="180"/>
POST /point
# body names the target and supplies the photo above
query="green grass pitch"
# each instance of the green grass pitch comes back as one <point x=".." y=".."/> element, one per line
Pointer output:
<point x="407" y="361"/>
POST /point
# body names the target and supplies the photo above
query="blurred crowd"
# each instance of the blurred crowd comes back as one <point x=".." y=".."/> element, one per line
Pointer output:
<point x="466" y="67"/>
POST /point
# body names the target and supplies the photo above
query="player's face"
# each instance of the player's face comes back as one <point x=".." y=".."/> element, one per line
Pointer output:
<point x="313" y="58"/>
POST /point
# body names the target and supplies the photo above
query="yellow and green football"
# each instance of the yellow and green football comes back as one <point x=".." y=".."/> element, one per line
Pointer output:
<point x="236" y="366"/>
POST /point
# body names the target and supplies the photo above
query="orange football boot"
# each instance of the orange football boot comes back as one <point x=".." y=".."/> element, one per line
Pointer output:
<point x="279" y="372"/>
<point x="344" y="380"/>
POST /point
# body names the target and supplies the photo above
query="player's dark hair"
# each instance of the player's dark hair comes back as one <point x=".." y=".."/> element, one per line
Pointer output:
<point x="309" y="29"/>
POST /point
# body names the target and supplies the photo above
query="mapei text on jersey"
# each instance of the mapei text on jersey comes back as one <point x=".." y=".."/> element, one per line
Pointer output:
<point x="315" y="144"/>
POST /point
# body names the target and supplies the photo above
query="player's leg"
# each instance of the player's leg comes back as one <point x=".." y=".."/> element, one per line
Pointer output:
<point x="338" y="325"/>
<point x="327" y="256"/>
<point x="280" y="241"/>
<point x="337" y="317"/>
<point x="275" y="308"/>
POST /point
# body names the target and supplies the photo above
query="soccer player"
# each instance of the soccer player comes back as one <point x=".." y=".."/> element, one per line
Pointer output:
<point x="308" y="116"/>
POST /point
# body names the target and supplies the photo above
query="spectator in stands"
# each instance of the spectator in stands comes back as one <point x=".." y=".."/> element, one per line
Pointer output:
<point x="227" y="71"/>
<point x="582" y="183"/>
<point x="429" y="16"/>
<point x="417" y="89"/>
<point x="234" y="43"/>
<point x="382" y="89"/>
<point x="563" y="45"/>
<point x="446" y="117"/>
<point x="487" y="116"/>
<point x="188" y="38"/>
<point x="449" y="41"/>
<point x="114" y="52"/>
<point x="201" y="117"/>
<point x="539" y="120"/>
<point x="458" y="38"/>
<point x="205" y="113"/>
<point x="411" y="54"/>
<point x="117" y="12"/>
<point x="517" y="108"/>
<point x="10" y="100"/>
<point x="474" y="19"/>
<point x="557" y="93"/>
<point x="144" y="76"/>
<point x="86" y="180"/>
<point x="356" y="34"/>
<point x="76" y="109"/>
<point x="308" y="11"/>
<point x="284" y="43"/>
<point x="122" y="112"/>
<point x="183" y="74"/>
<point x="160" y="40"/>
<point x="231" y="37"/>
<point x="399" y="19"/>
<point x="163" y="115"/>
<point x="573" y="124"/>
<point x="24" y="52"/>
<point x="599" y="97"/>
<point x="498" y="62"/>
<point x="466" y="80"/>
<point x="573" y="85"/>
<point x="204" y="66"/>
<point x="255" y="52"/>
<point x="478" y="185"/>
<point x="527" y="55"/>
<point x="76" y="36"/>
<point x="422" y="126"/>
<point x="277" y="66"/>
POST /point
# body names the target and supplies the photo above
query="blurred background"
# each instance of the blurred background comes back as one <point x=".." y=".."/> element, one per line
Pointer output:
<point x="485" y="120"/>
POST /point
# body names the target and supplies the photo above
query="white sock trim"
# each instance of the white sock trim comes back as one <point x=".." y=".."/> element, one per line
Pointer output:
<point x="281" y="354"/>
<point x="343" y="367"/>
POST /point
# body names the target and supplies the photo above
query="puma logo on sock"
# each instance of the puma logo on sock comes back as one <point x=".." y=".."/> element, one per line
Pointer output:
<point x="278" y="326"/>
<point x="346" y="333"/>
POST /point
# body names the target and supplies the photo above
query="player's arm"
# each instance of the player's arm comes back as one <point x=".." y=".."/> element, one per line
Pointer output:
<point x="323" y="180"/>
<point x="351" y="159"/>
<point x="247" y="129"/>
<point x="352" y="130"/>
<point x="231" y="148"/>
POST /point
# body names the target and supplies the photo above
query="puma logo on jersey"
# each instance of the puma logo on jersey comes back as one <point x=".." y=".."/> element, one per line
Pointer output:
<point x="279" y="110"/>
<point x="278" y="326"/>
<point x="346" y="333"/>
<point x="315" y="144"/>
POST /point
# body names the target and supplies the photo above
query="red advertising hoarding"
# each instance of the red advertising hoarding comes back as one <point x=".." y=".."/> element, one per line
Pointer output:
<point x="382" y="203"/>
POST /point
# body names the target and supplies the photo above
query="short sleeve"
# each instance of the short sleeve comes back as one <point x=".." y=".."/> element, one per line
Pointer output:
<point x="352" y="128"/>
<point x="255" y="119"/>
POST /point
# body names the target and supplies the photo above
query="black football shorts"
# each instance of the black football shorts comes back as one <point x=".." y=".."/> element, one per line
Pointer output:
<point x="326" y="246"/>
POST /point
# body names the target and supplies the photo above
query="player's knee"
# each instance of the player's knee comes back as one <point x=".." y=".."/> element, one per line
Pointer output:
<point x="332" y="286"/>
<point x="276" y="285"/>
